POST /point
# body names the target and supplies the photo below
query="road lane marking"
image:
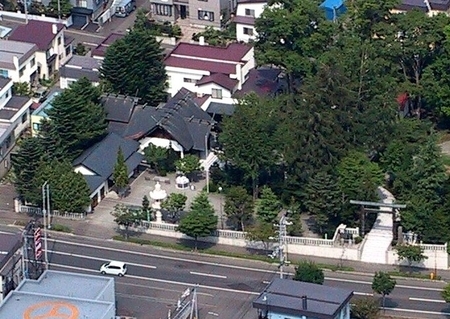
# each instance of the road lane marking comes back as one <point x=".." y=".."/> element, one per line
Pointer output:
<point x="179" y="283"/>
<point x="362" y="293"/>
<point x="427" y="300"/>
<point x="370" y="283"/>
<point x="266" y="282"/>
<point x="159" y="288"/>
<point x="207" y="275"/>
<point x="96" y="258"/>
<point x="167" y="257"/>
<point x="226" y="266"/>
<point x="438" y="313"/>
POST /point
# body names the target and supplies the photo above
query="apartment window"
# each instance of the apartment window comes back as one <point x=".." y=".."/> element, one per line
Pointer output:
<point x="37" y="126"/>
<point x="81" y="3"/>
<point x="163" y="10"/>
<point x="188" y="80"/>
<point x="8" y="142"/>
<point x="203" y="0"/>
<point x="205" y="15"/>
<point x="216" y="93"/>
<point x="59" y="40"/>
<point x="250" y="12"/>
<point x="7" y="95"/>
<point x="6" y="163"/>
<point x="21" y="71"/>
<point x="248" y="31"/>
<point x="24" y="118"/>
<point x="4" y="73"/>
<point x="32" y="62"/>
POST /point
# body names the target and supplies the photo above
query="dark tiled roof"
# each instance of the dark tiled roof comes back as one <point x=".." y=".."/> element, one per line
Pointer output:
<point x="180" y="117"/>
<point x="102" y="157"/>
<point x="85" y="62"/>
<point x="219" y="79"/>
<point x="72" y="73"/>
<point x="262" y="81"/>
<point x="13" y="106"/>
<point x="284" y="296"/>
<point x="119" y="108"/>
<point x="211" y="66"/>
<point x="234" y="52"/>
<point x="100" y="50"/>
<point x="37" y="32"/>
<point x="220" y="108"/>
<point x="244" y="20"/>
<point x="94" y="181"/>
<point x="4" y="82"/>
<point x="68" y="40"/>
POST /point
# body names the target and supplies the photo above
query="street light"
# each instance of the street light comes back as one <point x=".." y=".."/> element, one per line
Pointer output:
<point x="45" y="202"/>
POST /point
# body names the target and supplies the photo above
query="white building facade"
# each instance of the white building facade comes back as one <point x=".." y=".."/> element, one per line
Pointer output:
<point x="246" y="13"/>
<point x="18" y="61"/>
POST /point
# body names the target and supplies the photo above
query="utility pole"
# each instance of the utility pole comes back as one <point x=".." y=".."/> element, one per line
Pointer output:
<point x="45" y="202"/>
<point x="205" y="163"/>
<point x="59" y="10"/>
<point x="281" y="250"/>
<point x="25" y="4"/>
<point x="194" y="307"/>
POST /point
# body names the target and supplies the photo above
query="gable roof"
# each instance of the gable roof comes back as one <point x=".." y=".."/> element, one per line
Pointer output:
<point x="119" y="108"/>
<point x="4" y="82"/>
<point x="100" y="50"/>
<point x="220" y="79"/>
<point x="9" y="49"/>
<point x="181" y="117"/>
<point x="101" y="157"/>
<point x="285" y="296"/>
<point x="37" y="32"/>
<point x="262" y="81"/>
<point x="202" y="65"/>
<point x="233" y="52"/>
<point x="84" y="62"/>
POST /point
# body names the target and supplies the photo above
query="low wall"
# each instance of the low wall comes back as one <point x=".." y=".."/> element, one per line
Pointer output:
<point x="437" y="258"/>
<point x="22" y="16"/>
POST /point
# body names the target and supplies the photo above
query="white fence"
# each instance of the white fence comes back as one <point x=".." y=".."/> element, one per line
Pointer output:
<point x="22" y="16"/>
<point x="32" y="210"/>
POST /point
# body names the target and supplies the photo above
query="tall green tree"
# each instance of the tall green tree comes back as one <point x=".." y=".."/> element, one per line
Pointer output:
<point x="188" y="165"/>
<point x="76" y="120"/>
<point x="200" y="221"/>
<point x="308" y="271"/>
<point x="261" y="232"/>
<point x="134" y="66"/>
<point x="124" y="217"/>
<point x="156" y="156"/>
<point x="268" y="206"/>
<point x="120" y="173"/>
<point x="65" y="8"/>
<point x="367" y="308"/>
<point x="248" y="138"/>
<point x="291" y="35"/>
<point x="176" y="202"/>
<point x="323" y="199"/>
<point x="410" y="253"/>
<point x="69" y="191"/>
<point x="238" y="207"/>
<point x="383" y="284"/>
<point x="25" y="165"/>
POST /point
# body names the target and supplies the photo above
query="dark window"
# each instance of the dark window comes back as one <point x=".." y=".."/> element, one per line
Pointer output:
<point x="163" y="10"/>
<point x="205" y="15"/>
<point x="248" y="31"/>
<point x="188" y="80"/>
<point x="24" y="118"/>
<point x="250" y="12"/>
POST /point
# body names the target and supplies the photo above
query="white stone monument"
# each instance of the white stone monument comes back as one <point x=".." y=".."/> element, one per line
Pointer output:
<point x="158" y="195"/>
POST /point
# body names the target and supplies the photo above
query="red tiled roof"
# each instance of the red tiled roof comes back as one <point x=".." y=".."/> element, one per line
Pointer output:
<point x="37" y="32"/>
<point x="233" y="52"/>
<point x="212" y="67"/>
<point x="219" y="79"/>
<point x="100" y="50"/>
<point x="244" y="20"/>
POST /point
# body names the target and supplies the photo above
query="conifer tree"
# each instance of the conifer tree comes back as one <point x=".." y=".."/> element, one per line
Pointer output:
<point x="25" y="165"/>
<point x="268" y="206"/>
<point x="76" y="120"/>
<point x="120" y="174"/>
<point x="134" y="66"/>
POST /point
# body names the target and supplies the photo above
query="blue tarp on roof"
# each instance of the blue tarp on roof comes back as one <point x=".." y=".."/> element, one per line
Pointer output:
<point x="333" y="8"/>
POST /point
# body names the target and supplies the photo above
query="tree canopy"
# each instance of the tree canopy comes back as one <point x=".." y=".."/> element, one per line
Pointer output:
<point x="134" y="66"/>
<point x="383" y="284"/>
<point x="308" y="271"/>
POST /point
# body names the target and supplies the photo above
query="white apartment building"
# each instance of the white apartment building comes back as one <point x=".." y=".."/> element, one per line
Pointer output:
<point x="18" y="61"/>
<point x="246" y="13"/>
<point x="54" y="48"/>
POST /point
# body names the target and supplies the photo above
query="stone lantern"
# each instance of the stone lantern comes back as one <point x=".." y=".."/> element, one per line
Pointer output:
<point x="158" y="195"/>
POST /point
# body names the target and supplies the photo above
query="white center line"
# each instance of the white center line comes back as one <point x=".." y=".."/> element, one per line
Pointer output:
<point x="207" y="275"/>
<point x="427" y="300"/>
<point x="95" y="258"/>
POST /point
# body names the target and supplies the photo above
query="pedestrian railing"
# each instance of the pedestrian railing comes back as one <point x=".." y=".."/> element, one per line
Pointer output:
<point x="32" y="210"/>
<point x="431" y="247"/>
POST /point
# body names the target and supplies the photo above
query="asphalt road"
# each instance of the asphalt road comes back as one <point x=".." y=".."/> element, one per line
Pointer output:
<point x="224" y="281"/>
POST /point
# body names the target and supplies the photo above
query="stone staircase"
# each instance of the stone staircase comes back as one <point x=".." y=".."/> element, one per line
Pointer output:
<point x="379" y="239"/>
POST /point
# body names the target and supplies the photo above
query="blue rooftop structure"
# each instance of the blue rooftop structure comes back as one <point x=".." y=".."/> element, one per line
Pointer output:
<point x="46" y="105"/>
<point x="333" y="8"/>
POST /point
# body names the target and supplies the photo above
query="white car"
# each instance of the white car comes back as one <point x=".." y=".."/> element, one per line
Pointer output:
<point x="117" y="268"/>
